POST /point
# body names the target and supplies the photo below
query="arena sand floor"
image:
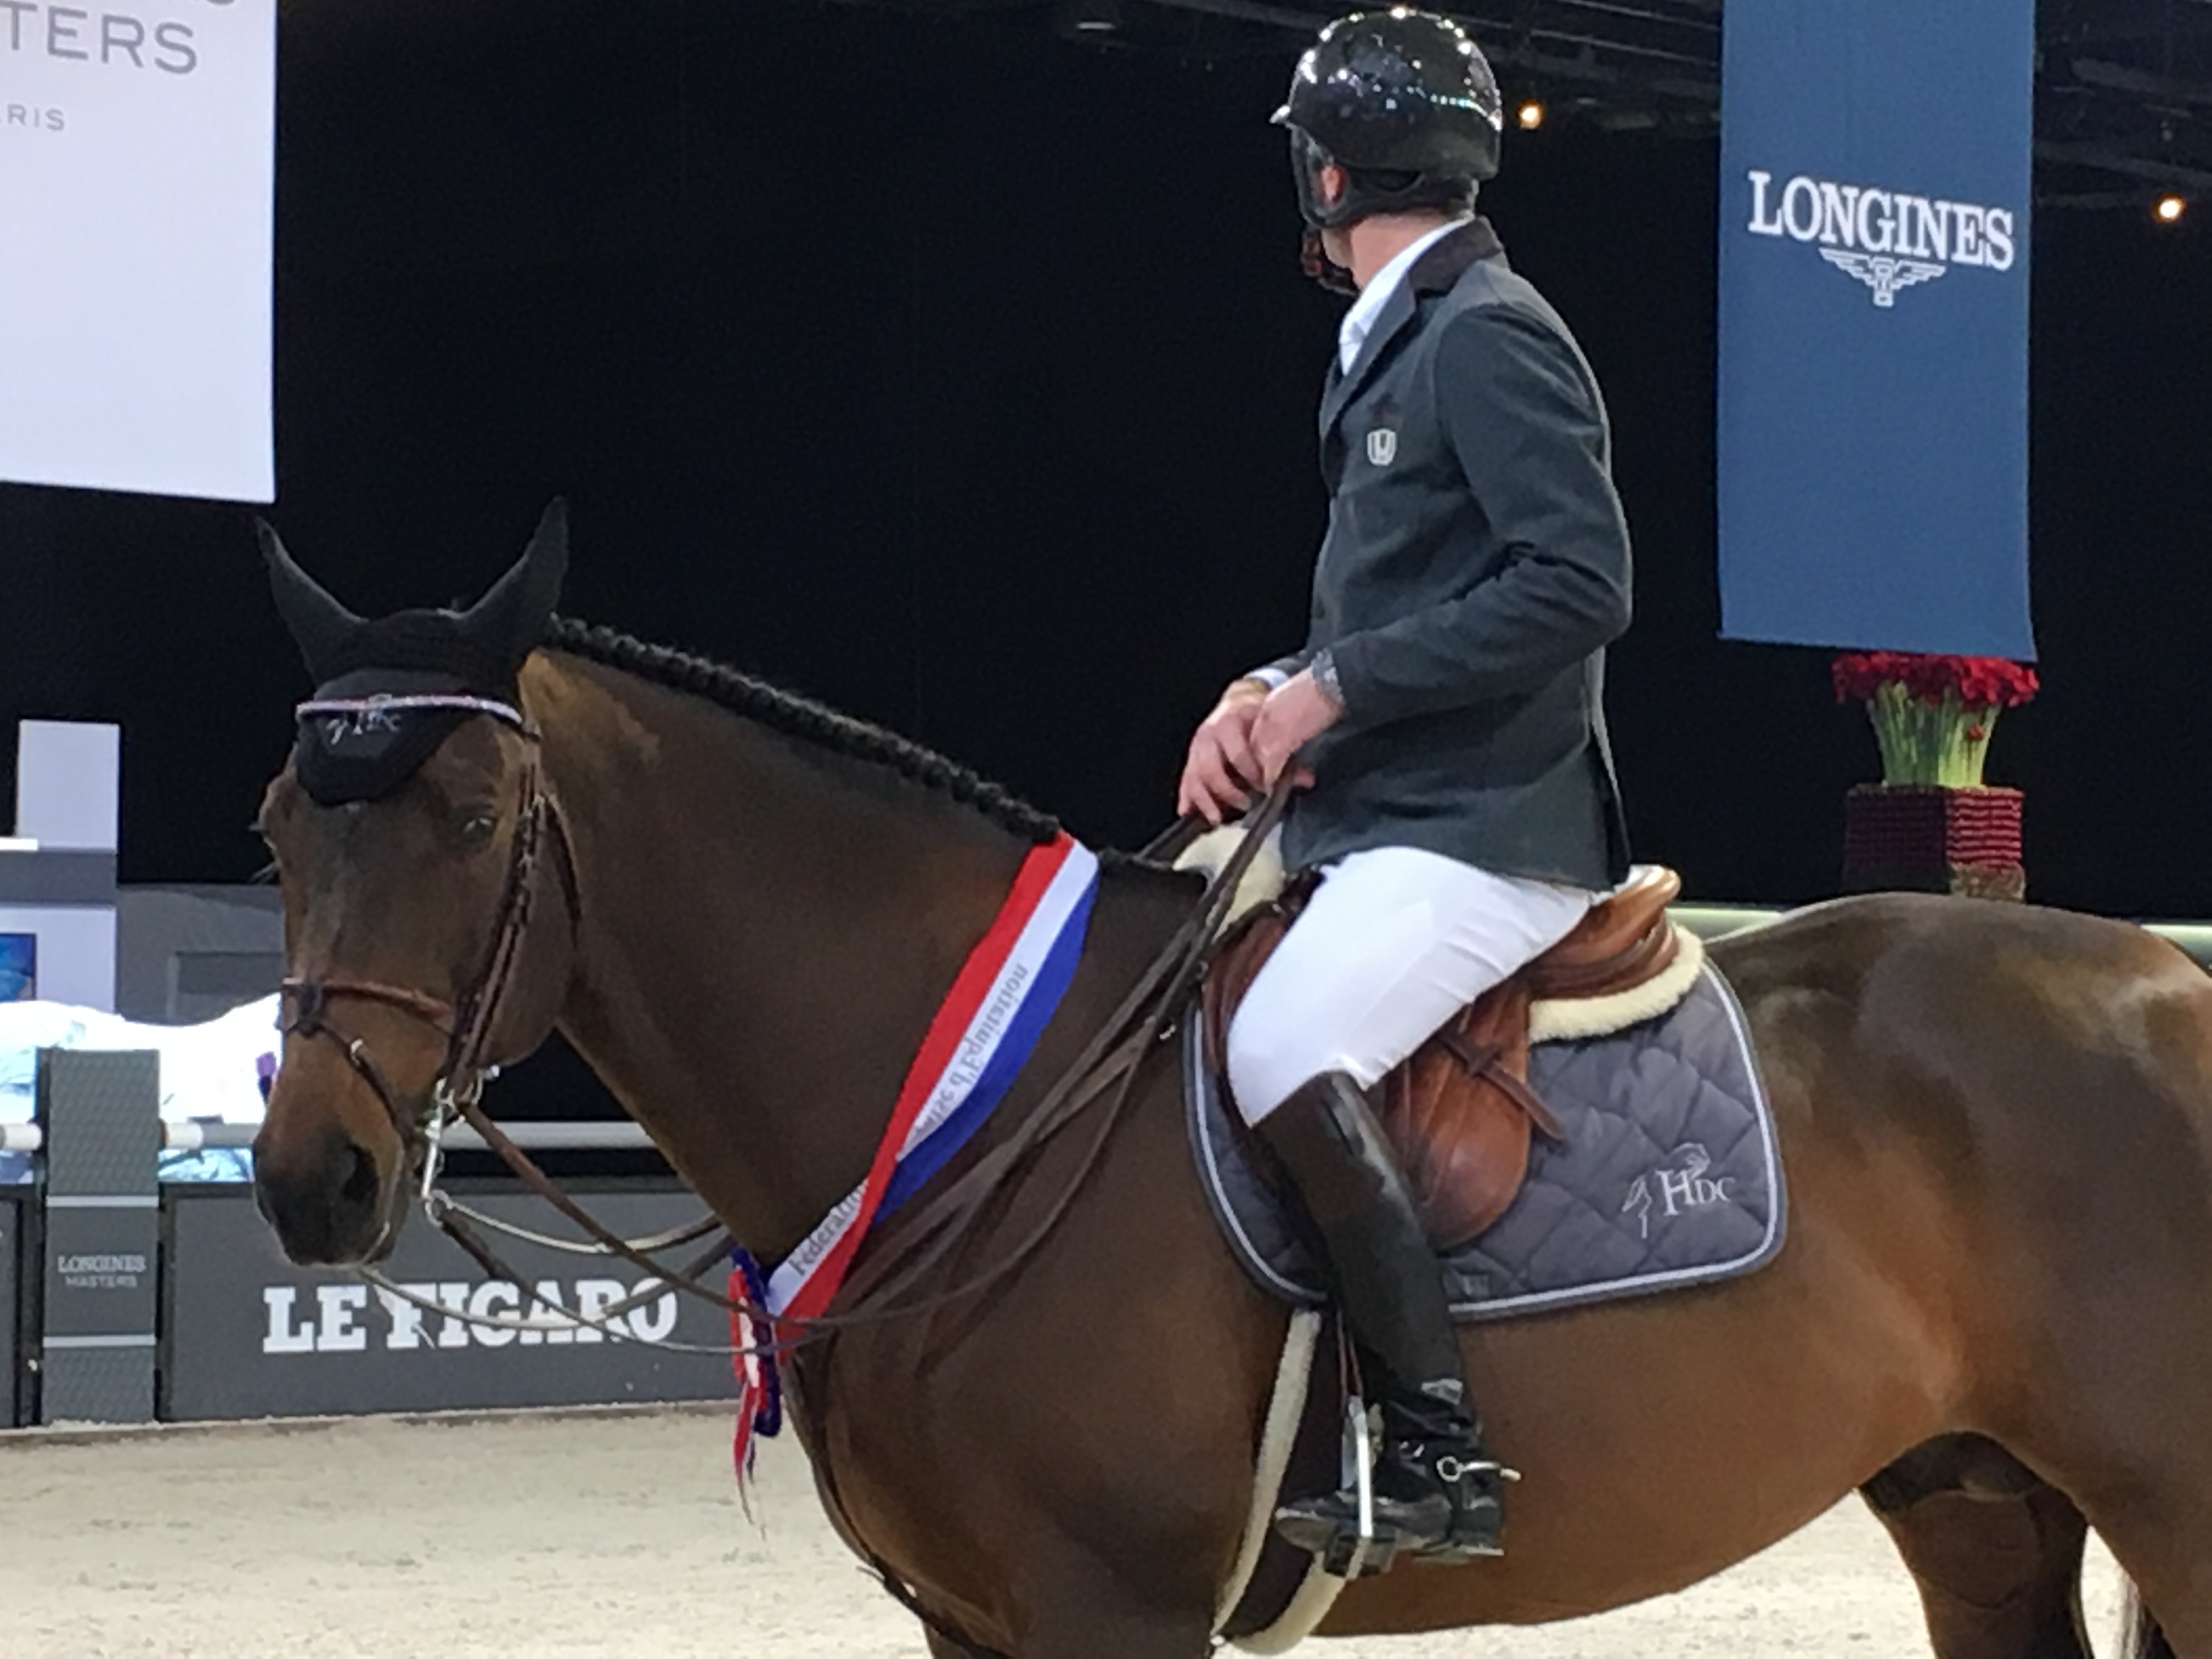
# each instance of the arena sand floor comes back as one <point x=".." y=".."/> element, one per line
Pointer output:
<point x="620" y="1536"/>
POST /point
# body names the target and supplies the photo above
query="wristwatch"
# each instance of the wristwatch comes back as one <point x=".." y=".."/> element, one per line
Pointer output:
<point x="1323" y="670"/>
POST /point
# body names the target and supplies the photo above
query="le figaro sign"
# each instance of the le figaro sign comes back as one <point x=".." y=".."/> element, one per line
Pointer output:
<point x="1890" y="239"/>
<point x="342" y="1318"/>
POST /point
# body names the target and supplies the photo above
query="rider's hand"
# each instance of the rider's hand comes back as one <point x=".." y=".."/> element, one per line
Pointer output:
<point x="1293" y="715"/>
<point x="1217" y="777"/>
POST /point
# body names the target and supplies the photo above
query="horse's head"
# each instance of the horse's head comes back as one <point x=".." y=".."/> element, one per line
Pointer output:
<point x="427" y="901"/>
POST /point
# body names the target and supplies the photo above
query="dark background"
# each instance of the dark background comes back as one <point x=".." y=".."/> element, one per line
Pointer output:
<point x="964" y="379"/>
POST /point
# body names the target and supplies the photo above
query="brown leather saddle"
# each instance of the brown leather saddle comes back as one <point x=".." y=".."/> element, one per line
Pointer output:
<point x="1460" y="1112"/>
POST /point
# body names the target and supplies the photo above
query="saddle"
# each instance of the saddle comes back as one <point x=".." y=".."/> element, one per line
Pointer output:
<point x="1460" y="1113"/>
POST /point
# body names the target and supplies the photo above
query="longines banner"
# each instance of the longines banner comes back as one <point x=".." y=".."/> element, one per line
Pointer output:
<point x="1875" y="160"/>
<point x="137" y="165"/>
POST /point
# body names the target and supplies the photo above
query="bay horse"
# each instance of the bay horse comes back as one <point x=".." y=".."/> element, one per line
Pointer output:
<point x="1992" y="1314"/>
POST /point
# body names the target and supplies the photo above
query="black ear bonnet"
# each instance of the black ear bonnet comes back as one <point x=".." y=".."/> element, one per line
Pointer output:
<point x="388" y="691"/>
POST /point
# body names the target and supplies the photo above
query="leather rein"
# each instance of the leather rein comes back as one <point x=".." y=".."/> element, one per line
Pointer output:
<point x="1145" y="1016"/>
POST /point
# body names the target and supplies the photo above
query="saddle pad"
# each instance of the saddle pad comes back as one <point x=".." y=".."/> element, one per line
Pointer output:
<point x="1670" y="1175"/>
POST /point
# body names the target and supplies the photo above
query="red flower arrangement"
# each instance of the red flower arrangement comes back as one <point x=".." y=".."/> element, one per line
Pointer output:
<point x="1980" y="682"/>
<point x="1932" y="716"/>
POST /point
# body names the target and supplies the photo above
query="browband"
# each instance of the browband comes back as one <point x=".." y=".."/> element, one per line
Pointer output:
<point x="455" y="702"/>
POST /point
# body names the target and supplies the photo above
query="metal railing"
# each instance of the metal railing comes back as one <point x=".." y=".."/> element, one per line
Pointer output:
<point x="195" y="1136"/>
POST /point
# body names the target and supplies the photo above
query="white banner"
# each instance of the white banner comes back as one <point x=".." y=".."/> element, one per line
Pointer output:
<point x="138" y="149"/>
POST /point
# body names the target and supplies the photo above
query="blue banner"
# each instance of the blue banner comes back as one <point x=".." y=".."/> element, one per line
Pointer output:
<point x="1877" y="158"/>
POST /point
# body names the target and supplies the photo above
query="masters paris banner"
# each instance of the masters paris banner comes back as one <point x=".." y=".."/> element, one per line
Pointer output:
<point x="136" y="164"/>
<point x="1875" y="162"/>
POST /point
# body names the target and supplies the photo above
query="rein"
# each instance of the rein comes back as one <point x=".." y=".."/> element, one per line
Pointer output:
<point x="1111" y="1060"/>
<point x="1145" y="1016"/>
<point x="1107" y="1063"/>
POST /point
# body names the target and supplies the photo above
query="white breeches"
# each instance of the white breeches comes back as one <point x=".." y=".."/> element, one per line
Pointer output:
<point x="1395" y="942"/>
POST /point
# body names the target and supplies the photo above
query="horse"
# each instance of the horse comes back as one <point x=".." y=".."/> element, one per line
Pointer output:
<point x="1992" y="1317"/>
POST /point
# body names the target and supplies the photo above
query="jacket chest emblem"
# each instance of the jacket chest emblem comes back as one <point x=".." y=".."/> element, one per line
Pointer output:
<point x="1383" y="446"/>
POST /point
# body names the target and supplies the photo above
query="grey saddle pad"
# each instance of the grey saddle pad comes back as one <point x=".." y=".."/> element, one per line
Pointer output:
<point x="1670" y="1175"/>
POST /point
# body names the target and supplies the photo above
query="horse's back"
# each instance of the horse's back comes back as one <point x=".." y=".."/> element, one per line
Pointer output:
<point x="2030" y="1089"/>
<point x="1923" y="973"/>
<point x="1861" y="927"/>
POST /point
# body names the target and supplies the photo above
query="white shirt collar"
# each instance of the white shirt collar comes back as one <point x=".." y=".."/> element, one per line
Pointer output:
<point x="1359" y="321"/>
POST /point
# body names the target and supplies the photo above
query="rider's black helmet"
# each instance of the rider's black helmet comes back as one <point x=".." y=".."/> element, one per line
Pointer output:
<point x="1406" y="103"/>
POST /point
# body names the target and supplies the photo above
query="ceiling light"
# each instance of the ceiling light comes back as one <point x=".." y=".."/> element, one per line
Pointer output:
<point x="1092" y="19"/>
<point x="2170" y="209"/>
<point x="1531" y="114"/>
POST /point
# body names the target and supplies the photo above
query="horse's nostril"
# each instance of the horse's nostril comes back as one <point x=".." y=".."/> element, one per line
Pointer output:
<point x="323" y="1201"/>
<point x="360" y="1183"/>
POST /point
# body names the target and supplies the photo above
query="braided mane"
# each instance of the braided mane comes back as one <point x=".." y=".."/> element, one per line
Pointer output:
<point x="799" y="717"/>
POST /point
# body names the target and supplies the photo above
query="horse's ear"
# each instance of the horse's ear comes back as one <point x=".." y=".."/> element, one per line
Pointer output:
<point x="318" y="621"/>
<point x="512" y="617"/>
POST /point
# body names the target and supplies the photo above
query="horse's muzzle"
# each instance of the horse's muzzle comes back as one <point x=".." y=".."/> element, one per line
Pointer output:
<point x="329" y="1207"/>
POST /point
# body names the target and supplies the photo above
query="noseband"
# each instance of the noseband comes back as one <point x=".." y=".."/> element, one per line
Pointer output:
<point x="466" y="1023"/>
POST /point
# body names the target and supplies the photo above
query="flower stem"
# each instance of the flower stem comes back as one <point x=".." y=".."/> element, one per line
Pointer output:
<point x="1929" y="743"/>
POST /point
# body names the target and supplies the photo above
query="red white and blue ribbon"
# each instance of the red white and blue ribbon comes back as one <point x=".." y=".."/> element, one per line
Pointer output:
<point x="760" y="1386"/>
<point x="984" y="1032"/>
<point x="985" y="1028"/>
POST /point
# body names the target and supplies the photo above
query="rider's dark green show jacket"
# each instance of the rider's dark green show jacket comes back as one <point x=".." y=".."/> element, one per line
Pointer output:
<point x="1476" y="568"/>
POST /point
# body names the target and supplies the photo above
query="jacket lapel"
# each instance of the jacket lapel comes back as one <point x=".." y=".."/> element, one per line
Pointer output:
<point x="1435" y="272"/>
<point x="1396" y="312"/>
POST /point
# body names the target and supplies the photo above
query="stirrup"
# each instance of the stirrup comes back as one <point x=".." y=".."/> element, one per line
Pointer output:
<point x="1444" y="1508"/>
<point x="1338" y="1544"/>
<point x="1335" y="1540"/>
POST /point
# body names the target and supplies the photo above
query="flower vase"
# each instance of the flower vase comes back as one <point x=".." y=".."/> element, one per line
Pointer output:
<point x="1931" y="825"/>
<point x="1933" y="838"/>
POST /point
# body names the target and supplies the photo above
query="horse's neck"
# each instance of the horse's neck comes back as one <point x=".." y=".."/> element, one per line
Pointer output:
<point x="765" y="933"/>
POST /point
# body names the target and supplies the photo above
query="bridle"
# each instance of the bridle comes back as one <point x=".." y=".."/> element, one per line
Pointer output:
<point x="456" y="1093"/>
<point x="466" y="1023"/>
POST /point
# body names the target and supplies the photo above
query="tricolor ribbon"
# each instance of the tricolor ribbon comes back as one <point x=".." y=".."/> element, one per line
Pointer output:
<point x="760" y="1387"/>
<point x="983" y="1033"/>
<point x="986" y="1027"/>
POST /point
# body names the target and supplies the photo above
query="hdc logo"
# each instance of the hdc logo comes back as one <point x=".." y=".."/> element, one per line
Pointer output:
<point x="1674" y="1192"/>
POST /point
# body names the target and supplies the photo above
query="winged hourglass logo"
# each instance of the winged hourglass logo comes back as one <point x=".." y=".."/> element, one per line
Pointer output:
<point x="1884" y="275"/>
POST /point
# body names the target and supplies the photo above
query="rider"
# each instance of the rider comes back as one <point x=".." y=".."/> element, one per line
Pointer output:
<point x="1446" y="710"/>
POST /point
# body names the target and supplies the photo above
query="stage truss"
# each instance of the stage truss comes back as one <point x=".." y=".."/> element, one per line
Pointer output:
<point x="2124" y="90"/>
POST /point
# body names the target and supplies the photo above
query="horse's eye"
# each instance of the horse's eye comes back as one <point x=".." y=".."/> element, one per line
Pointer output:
<point x="476" y="828"/>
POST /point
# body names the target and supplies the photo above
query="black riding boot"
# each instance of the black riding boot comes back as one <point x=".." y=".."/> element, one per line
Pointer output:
<point x="1436" y="1490"/>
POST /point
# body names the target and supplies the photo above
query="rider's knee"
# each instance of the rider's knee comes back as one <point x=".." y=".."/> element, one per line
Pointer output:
<point x="1268" y="1063"/>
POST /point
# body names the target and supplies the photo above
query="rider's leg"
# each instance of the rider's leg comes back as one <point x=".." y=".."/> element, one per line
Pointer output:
<point x="1395" y="942"/>
<point x="1436" y="1488"/>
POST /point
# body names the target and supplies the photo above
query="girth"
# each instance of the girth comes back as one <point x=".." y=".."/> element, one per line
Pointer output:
<point x="1460" y="1113"/>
